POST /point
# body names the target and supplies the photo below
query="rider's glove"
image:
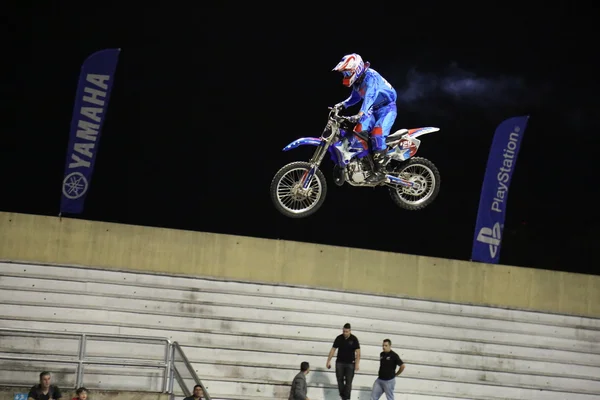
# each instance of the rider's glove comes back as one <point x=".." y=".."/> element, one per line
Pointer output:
<point x="354" y="119"/>
<point x="339" y="106"/>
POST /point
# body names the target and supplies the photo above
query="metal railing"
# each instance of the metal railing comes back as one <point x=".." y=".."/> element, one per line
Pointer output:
<point x="179" y="374"/>
<point x="175" y="364"/>
<point x="81" y="359"/>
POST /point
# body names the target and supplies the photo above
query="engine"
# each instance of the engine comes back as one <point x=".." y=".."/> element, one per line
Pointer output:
<point x="358" y="171"/>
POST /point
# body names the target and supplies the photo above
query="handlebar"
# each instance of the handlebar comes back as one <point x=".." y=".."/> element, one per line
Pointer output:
<point x="335" y="112"/>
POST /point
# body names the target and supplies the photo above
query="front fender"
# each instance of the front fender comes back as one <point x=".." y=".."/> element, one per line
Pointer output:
<point x="305" y="141"/>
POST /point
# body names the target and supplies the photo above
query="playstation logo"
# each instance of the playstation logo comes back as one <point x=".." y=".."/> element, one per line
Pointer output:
<point x="492" y="237"/>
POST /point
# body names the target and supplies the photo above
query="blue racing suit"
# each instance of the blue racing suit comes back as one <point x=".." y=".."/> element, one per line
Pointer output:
<point x="379" y="107"/>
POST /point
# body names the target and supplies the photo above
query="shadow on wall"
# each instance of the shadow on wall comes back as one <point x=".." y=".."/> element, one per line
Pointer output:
<point x="323" y="379"/>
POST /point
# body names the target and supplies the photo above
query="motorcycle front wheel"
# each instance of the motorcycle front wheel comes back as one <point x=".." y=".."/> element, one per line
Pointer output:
<point x="288" y="196"/>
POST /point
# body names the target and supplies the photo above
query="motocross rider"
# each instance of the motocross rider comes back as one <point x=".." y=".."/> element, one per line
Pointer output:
<point x="378" y="111"/>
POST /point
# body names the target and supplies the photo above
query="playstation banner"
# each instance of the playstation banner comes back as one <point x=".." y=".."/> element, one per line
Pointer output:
<point x="494" y="193"/>
<point x="91" y="102"/>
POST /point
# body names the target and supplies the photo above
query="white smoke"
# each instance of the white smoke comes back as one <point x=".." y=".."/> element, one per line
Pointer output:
<point x="465" y="87"/>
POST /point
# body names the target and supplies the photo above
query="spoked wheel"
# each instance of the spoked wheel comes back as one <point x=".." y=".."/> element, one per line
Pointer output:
<point x="427" y="177"/>
<point x="290" y="198"/>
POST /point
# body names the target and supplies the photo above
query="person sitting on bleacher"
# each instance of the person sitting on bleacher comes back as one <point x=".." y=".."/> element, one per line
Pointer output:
<point x="81" y="394"/>
<point x="44" y="390"/>
<point x="197" y="393"/>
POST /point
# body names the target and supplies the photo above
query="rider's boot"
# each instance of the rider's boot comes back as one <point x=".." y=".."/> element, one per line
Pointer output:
<point x="378" y="175"/>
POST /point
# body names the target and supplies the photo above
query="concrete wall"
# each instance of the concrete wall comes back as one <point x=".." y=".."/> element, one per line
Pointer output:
<point x="246" y="340"/>
<point x="87" y="243"/>
<point x="8" y="393"/>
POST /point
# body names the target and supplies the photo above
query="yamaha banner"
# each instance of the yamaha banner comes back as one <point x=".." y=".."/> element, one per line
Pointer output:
<point x="494" y="193"/>
<point x="91" y="101"/>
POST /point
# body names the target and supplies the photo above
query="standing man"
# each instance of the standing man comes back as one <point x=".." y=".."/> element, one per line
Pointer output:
<point x="347" y="361"/>
<point x="386" y="381"/>
<point x="299" y="389"/>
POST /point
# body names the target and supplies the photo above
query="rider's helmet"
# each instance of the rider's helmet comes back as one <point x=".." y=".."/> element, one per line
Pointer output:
<point x="352" y="68"/>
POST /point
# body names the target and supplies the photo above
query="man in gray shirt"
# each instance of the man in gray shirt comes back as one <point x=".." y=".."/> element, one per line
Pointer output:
<point x="299" y="389"/>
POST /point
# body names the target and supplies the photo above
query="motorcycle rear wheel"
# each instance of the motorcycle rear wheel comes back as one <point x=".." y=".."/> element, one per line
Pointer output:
<point x="423" y="171"/>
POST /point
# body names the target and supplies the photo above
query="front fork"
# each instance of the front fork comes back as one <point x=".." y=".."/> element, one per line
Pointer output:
<point x="315" y="161"/>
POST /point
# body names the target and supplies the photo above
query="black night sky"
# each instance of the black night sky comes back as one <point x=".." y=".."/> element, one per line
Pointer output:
<point x="205" y="99"/>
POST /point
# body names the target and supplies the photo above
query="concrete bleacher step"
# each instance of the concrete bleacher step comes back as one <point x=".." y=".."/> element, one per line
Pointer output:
<point x="308" y="307"/>
<point x="489" y="362"/>
<point x="246" y="340"/>
<point x="332" y="395"/>
<point x="267" y="328"/>
<point x="257" y="302"/>
<point x="235" y="386"/>
<point x="281" y="372"/>
<point x="417" y="358"/>
<point x="8" y="393"/>
<point x="180" y="284"/>
<point x="97" y="377"/>
<point x="319" y="323"/>
<point x="398" y="396"/>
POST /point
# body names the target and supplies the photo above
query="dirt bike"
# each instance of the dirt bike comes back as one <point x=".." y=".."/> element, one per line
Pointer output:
<point x="299" y="188"/>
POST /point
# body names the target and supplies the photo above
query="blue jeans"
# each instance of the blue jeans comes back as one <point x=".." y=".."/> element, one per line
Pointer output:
<point x="380" y="387"/>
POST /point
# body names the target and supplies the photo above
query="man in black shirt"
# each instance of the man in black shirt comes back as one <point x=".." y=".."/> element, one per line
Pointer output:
<point x="347" y="361"/>
<point x="44" y="390"/>
<point x="197" y="393"/>
<point x="386" y="381"/>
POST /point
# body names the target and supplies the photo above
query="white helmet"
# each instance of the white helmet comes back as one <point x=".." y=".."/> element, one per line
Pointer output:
<point x="352" y="67"/>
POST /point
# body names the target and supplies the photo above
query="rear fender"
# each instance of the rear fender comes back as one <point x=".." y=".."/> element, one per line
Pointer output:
<point x="416" y="132"/>
<point x="408" y="144"/>
<point x="305" y="141"/>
